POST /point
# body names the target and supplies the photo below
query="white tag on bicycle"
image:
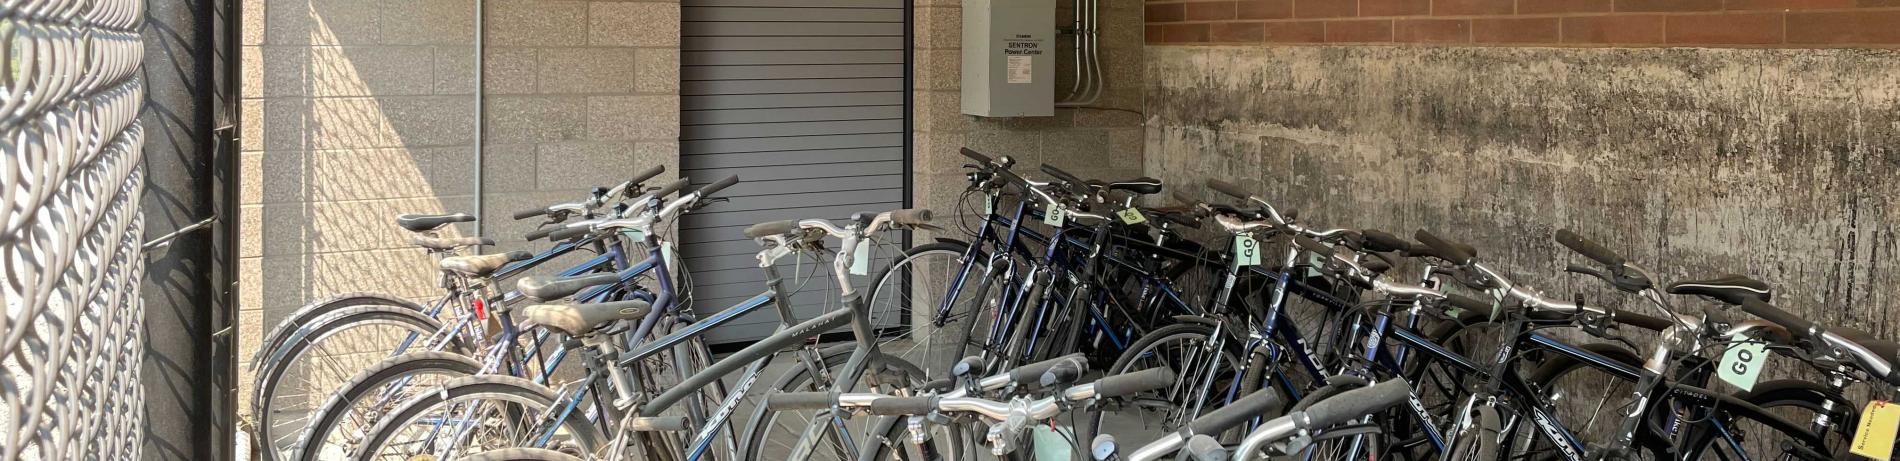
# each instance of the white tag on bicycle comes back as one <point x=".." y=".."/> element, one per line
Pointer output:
<point x="1053" y="444"/>
<point x="989" y="204"/>
<point x="1246" y="250"/>
<point x="861" y="258"/>
<point x="632" y="235"/>
<point x="1878" y="425"/>
<point x="1053" y="215"/>
<point x="1743" y="362"/>
<point x="1132" y="216"/>
<point x="666" y="255"/>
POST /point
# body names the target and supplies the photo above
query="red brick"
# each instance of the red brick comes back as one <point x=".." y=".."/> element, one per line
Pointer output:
<point x="1652" y="6"/>
<point x="1153" y="33"/>
<point x="1515" y="30"/>
<point x="1264" y="9"/>
<point x="1787" y="4"/>
<point x="1844" y="28"/>
<point x="1295" y="32"/>
<point x="1210" y="11"/>
<point x="1168" y="12"/>
<point x="1395" y="7"/>
<point x="1725" y="29"/>
<point x="1184" y="33"/>
<point x="1235" y="32"/>
<point x="1325" y="8"/>
<point x="1379" y="30"/>
<point x="1472" y="7"/>
<point x="1432" y="30"/>
<point x="1562" y="6"/>
<point x="1872" y="3"/>
<point x="1619" y="29"/>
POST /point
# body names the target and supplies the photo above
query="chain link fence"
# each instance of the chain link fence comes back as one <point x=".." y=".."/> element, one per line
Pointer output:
<point x="71" y="340"/>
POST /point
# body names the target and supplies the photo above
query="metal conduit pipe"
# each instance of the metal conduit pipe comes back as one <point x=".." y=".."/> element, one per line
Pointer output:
<point x="480" y="47"/>
<point x="1088" y="85"/>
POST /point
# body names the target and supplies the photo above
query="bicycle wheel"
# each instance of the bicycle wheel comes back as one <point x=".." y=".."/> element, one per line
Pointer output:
<point x="344" y="420"/>
<point x="907" y="303"/>
<point x="521" y="454"/>
<point x="312" y="311"/>
<point x="778" y="434"/>
<point x="316" y="359"/>
<point x="1184" y="349"/>
<point x="1587" y="402"/>
<point x="1787" y="430"/>
<point x="666" y="370"/>
<point x="475" y="414"/>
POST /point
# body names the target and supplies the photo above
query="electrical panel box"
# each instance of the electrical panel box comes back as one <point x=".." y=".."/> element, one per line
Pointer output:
<point x="1009" y="67"/>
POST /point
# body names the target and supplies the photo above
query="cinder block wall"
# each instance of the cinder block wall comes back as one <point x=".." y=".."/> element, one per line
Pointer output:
<point x="358" y="110"/>
<point x="1103" y="141"/>
<point x="1758" y="142"/>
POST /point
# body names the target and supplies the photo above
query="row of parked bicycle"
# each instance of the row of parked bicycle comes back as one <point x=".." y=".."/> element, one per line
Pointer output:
<point x="1066" y="322"/>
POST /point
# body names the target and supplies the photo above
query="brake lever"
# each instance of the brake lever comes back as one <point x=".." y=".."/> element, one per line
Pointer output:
<point x="1620" y="282"/>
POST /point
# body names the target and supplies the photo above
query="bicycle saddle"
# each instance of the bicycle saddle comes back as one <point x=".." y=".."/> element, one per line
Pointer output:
<point x="429" y="222"/>
<point x="1143" y="185"/>
<point x="583" y="319"/>
<point x="546" y="288"/>
<point x="482" y="265"/>
<point x="1727" y="288"/>
<point x="445" y="244"/>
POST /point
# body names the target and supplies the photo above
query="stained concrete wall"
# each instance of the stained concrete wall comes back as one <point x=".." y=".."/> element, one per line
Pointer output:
<point x="359" y="110"/>
<point x="1770" y="163"/>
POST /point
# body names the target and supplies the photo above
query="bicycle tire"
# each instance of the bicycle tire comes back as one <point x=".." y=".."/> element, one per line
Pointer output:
<point x="798" y="378"/>
<point x="371" y="381"/>
<point x="302" y="340"/>
<point x="953" y="326"/>
<point x="1801" y="395"/>
<point x="309" y="312"/>
<point x="1180" y="331"/>
<point x="521" y="454"/>
<point x="519" y="391"/>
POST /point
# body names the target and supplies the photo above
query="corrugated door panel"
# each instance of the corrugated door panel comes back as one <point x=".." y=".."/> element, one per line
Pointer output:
<point x="805" y="101"/>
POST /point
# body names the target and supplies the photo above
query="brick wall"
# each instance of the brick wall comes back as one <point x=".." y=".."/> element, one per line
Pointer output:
<point x="1738" y="23"/>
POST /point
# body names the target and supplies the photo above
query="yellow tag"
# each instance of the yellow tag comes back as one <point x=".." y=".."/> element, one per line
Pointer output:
<point x="1132" y="216"/>
<point x="1878" y="425"/>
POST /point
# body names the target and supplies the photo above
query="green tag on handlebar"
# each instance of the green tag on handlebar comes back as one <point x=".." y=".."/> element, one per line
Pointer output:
<point x="1132" y="216"/>
<point x="1246" y="250"/>
<point x="861" y="258"/>
<point x="1743" y="362"/>
<point x="1053" y="215"/>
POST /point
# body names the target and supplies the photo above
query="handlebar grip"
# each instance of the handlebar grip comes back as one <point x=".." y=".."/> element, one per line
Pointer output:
<point x="517" y="255"/>
<point x="1203" y="447"/>
<point x="1797" y="326"/>
<point x="1127" y="384"/>
<point x="718" y="186"/>
<point x="1228" y="188"/>
<point x="911" y="216"/>
<point x="570" y="232"/>
<point x="1640" y="321"/>
<point x="977" y="156"/>
<point x="670" y="188"/>
<point x="1380" y="241"/>
<point x="1236" y="412"/>
<point x="525" y="214"/>
<point x="541" y="233"/>
<point x="648" y="174"/>
<point x="1456" y="253"/>
<point x="1061" y="374"/>
<point x="768" y="229"/>
<point x="800" y="401"/>
<point x="1588" y="249"/>
<point x="1073" y="180"/>
<point x="1184" y="199"/>
<point x="967" y="366"/>
<point x="1312" y="245"/>
<point x="1469" y="304"/>
<point x="901" y="406"/>
<point x="1012" y="178"/>
<point x="1032" y="373"/>
<point x="1356" y="403"/>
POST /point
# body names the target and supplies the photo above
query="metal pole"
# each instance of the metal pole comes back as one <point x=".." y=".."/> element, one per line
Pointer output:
<point x="480" y="123"/>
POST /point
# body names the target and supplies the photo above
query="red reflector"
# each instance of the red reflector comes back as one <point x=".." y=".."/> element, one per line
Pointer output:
<point x="481" y="311"/>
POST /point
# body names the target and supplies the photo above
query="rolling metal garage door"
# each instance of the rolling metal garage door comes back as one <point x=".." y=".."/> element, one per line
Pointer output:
<point x="805" y="100"/>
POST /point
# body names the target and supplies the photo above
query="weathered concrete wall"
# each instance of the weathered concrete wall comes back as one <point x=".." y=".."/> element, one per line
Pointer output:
<point x="1772" y="163"/>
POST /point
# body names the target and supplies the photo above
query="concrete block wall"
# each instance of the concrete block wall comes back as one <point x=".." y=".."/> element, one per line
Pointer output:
<point x="1100" y="142"/>
<point x="358" y="110"/>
